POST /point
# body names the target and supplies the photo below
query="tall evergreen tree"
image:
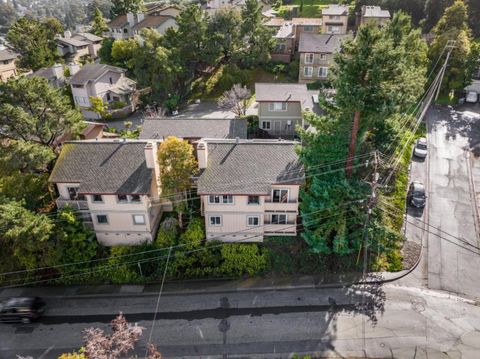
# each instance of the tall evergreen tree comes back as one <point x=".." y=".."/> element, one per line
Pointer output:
<point x="34" y="40"/>
<point x="122" y="7"/>
<point x="474" y="16"/>
<point x="434" y="10"/>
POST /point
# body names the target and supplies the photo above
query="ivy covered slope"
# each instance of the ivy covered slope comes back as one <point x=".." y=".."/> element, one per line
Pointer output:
<point x="377" y="78"/>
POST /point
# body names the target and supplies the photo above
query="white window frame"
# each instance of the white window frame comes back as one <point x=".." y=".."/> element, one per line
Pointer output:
<point x="322" y="56"/>
<point x="215" y="225"/>
<point x="326" y="71"/>
<point x="101" y="223"/>
<point x="253" y="204"/>
<point x="278" y="106"/>
<point x="138" y="223"/>
<point x="221" y="199"/>
<point x="279" y="215"/>
<point x="253" y="217"/>
<point x="305" y="71"/>
<point x="309" y="55"/>
<point x="129" y="198"/>
<point x="330" y="29"/>
<point x="281" y="189"/>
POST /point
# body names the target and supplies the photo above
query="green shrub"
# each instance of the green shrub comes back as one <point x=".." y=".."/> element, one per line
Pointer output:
<point x="293" y="68"/>
<point x="194" y="234"/>
<point x="117" y="104"/>
<point x="239" y="259"/>
<point x="167" y="233"/>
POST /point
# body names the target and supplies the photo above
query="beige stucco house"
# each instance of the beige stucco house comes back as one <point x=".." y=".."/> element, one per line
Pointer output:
<point x="373" y="14"/>
<point x="249" y="189"/>
<point x="115" y="186"/>
<point x="106" y="82"/>
<point x="157" y="18"/>
<point x="317" y="52"/>
<point x="281" y="107"/>
<point x="8" y="68"/>
<point x="335" y="19"/>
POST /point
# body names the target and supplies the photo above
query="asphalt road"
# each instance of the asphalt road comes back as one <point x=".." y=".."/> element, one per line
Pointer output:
<point x="399" y="322"/>
<point x="453" y="262"/>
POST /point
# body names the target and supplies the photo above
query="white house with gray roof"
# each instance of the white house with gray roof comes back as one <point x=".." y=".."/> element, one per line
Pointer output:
<point x="106" y="82"/>
<point x="281" y="107"/>
<point x="376" y="14"/>
<point x="115" y="186"/>
<point x="249" y="189"/>
<point x="317" y="52"/>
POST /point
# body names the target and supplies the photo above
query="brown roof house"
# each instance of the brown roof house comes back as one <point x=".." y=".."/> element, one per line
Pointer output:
<point x="335" y="19"/>
<point x="115" y="186"/>
<point x="316" y="52"/>
<point x="287" y="35"/>
<point x="8" y="67"/>
<point x="249" y="189"/>
<point x="281" y="107"/>
<point x="72" y="47"/>
<point x="107" y="82"/>
<point x="130" y="25"/>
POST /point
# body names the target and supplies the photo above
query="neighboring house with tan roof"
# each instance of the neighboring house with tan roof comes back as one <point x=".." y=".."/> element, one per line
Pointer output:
<point x="104" y="81"/>
<point x="249" y="189"/>
<point x="8" y="67"/>
<point x="317" y="53"/>
<point x="335" y="19"/>
<point x="114" y="185"/>
<point x="281" y="107"/>
<point x="72" y="47"/>
<point x="157" y="18"/>
<point x="373" y="13"/>
<point x="287" y="35"/>
<point x="193" y="129"/>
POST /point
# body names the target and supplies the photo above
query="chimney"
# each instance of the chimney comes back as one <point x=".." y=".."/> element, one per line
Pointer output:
<point x="140" y="17"/>
<point x="202" y="154"/>
<point x="58" y="71"/>
<point x="237" y="140"/>
<point x="151" y="154"/>
<point x="74" y="68"/>
<point x="67" y="34"/>
<point x="131" y="19"/>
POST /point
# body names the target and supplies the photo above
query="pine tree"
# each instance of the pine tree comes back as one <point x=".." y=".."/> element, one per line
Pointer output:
<point x="99" y="25"/>
<point x="122" y="7"/>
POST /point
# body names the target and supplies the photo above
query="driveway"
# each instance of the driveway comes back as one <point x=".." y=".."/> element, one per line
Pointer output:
<point x="449" y="221"/>
<point x="208" y="109"/>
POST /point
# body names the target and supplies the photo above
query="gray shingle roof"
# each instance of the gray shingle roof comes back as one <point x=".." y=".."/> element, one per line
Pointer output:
<point x="7" y="54"/>
<point x="249" y="167"/>
<point x="194" y="128"/>
<point x="91" y="72"/>
<point x="104" y="167"/>
<point x="286" y="92"/>
<point x="72" y="41"/>
<point x="324" y="43"/>
<point x="86" y="36"/>
<point x="375" y="11"/>
<point x="335" y="9"/>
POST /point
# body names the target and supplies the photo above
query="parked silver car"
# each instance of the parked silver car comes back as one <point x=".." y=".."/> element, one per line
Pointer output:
<point x="420" y="149"/>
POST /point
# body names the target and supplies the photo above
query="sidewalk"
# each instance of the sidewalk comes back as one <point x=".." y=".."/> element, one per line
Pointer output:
<point x="187" y="287"/>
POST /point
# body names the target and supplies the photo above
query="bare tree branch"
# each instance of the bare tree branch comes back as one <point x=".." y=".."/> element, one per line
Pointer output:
<point x="236" y="100"/>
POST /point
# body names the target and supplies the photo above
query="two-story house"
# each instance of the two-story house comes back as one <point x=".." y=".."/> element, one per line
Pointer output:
<point x="249" y="189"/>
<point x="106" y="82"/>
<point x="374" y="14"/>
<point x="281" y="105"/>
<point x="131" y="24"/>
<point x="287" y="35"/>
<point x="114" y="185"/>
<point x="335" y="19"/>
<point x="55" y="75"/>
<point x="73" y="47"/>
<point x="316" y="52"/>
<point x="8" y="68"/>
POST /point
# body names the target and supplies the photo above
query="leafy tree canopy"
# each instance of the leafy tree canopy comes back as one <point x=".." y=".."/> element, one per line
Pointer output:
<point x="122" y="7"/>
<point x="99" y="24"/>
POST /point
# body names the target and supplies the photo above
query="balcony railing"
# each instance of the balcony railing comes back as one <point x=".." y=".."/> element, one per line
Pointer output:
<point x="269" y="200"/>
<point x="81" y="205"/>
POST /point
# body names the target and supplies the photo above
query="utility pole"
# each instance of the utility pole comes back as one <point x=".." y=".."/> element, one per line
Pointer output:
<point x="371" y="204"/>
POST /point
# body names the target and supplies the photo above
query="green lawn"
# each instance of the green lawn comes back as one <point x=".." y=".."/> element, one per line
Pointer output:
<point x="314" y="2"/>
<point x="311" y="8"/>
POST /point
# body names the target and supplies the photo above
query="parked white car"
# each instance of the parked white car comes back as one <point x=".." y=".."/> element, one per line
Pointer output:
<point x="420" y="149"/>
<point x="472" y="97"/>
